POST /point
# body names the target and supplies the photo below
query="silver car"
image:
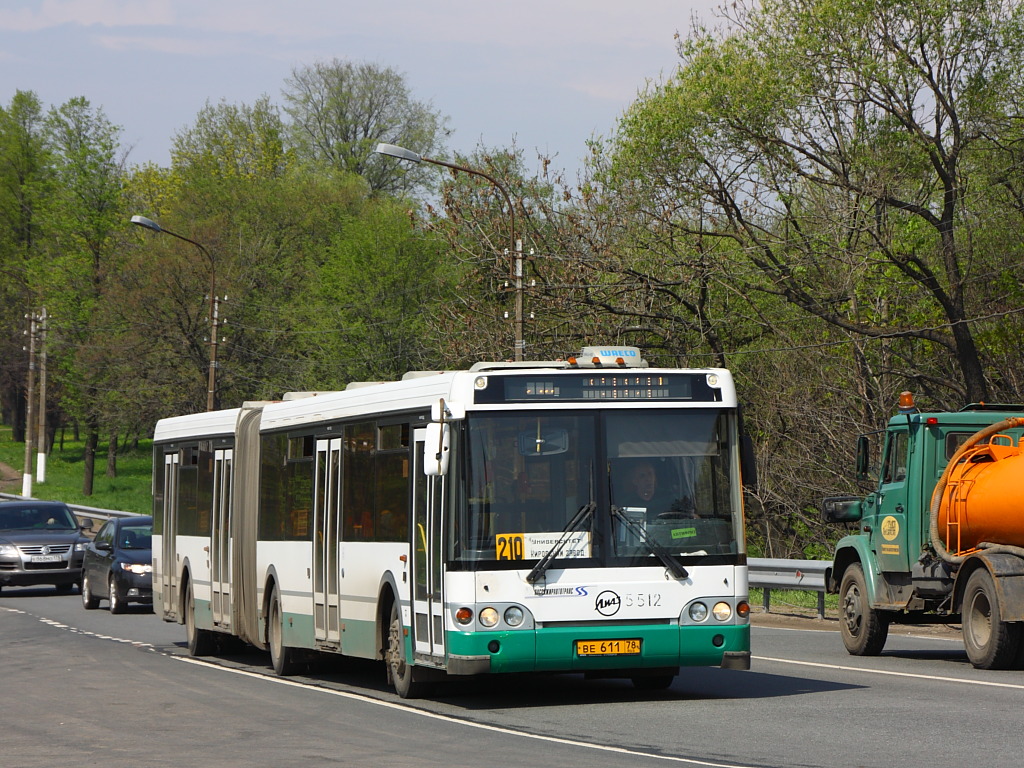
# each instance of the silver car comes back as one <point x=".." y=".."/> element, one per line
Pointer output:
<point x="41" y="542"/>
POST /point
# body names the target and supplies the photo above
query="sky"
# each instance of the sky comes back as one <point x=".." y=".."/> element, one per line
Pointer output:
<point x="544" y="75"/>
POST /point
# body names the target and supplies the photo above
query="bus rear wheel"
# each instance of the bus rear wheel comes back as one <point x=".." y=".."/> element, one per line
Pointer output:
<point x="285" y="660"/>
<point x="401" y="674"/>
<point x="990" y="642"/>
<point x="201" y="642"/>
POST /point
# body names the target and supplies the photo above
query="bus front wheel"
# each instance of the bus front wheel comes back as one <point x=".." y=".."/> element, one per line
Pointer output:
<point x="401" y="674"/>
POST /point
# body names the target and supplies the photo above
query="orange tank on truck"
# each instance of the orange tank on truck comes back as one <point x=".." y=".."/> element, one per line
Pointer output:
<point x="920" y="551"/>
<point x="981" y="499"/>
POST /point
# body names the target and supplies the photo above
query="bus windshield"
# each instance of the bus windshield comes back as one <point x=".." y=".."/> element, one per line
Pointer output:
<point x="658" y="479"/>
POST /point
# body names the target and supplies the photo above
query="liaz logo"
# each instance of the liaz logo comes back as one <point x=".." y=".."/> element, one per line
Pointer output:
<point x="608" y="603"/>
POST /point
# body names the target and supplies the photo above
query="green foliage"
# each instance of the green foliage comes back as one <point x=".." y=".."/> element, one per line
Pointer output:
<point x="128" y="492"/>
<point x="825" y="197"/>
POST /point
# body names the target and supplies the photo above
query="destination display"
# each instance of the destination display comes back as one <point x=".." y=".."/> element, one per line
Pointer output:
<point x="592" y="387"/>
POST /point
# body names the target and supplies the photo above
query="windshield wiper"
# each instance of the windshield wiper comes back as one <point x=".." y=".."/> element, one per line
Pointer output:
<point x="571" y="527"/>
<point x="656" y="549"/>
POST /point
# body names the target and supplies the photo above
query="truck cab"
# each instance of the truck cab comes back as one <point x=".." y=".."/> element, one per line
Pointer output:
<point x="888" y="570"/>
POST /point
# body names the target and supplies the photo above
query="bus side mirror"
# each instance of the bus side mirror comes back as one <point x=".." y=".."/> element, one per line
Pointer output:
<point x="748" y="463"/>
<point x="436" y="449"/>
<point x="863" y="461"/>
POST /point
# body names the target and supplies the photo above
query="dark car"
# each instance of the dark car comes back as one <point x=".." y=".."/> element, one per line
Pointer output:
<point x="119" y="564"/>
<point x="41" y="542"/>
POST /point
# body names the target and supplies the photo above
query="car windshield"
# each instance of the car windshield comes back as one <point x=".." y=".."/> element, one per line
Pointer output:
<point x="37" y="517"/>
<point x="135" y="536"/>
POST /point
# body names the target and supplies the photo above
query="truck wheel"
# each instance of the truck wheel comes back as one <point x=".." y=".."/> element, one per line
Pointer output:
<point x="863" y="629"/>
<point x="990" y="642"/>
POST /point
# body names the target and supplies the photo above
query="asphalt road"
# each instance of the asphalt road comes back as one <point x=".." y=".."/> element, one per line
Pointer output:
<point x="88" y="687"/>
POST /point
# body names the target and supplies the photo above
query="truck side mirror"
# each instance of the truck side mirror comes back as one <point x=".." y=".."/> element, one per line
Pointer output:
<point x="863" y="460"/>
<point x="841" y="509"/>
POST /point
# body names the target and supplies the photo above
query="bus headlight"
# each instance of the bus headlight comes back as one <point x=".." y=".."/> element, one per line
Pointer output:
<point x="722" y="611"/>
<point x="488" y="617"/>
<point x="514" y="616"/>
<point x="698" y="611"/>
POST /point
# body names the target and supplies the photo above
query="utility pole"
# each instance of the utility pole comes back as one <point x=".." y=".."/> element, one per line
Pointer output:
<point x="42" y="442"/>
<point x="30" y="393"/>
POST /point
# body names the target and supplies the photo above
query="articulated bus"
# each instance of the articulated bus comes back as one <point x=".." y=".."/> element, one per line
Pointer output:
<point x="583" y="515"/>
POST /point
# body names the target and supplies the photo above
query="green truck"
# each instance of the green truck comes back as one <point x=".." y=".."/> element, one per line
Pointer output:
<point x="940" y="538"/>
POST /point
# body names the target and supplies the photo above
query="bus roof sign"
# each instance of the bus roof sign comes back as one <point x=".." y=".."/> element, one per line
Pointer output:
<point x="612" y="357"/>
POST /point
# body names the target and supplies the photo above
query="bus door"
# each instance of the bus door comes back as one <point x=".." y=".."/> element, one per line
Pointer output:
<point x="220" y="544"/>
<point x="427" y="597"/>
<point x="168" y="568"/>
<point x="325" y="540"/>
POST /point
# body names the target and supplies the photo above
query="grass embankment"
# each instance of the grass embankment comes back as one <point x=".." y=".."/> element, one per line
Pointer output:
<point x="794" y="601"/>
<point x="65" y="471"/>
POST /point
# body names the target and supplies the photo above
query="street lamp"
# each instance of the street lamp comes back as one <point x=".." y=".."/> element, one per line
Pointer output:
<point x="142" y="221"/>
<point x="402" y="153"/>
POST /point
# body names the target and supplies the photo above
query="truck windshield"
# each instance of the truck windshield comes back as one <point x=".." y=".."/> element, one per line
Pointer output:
<point x="658" y="482"/>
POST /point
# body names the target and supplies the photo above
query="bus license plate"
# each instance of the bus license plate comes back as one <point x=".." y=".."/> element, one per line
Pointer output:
<point x="629" y="647"/>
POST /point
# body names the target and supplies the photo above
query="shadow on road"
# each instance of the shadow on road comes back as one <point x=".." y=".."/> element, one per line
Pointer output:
<point x="367" y="678"/>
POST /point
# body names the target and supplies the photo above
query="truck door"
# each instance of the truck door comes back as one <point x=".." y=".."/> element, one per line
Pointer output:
<point x="889" y="534"/>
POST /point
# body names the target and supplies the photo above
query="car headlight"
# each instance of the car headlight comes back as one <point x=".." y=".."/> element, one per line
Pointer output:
<point x="80" y="546"/>
<point x="137" y="568"/>
<point x="8" y="549"/>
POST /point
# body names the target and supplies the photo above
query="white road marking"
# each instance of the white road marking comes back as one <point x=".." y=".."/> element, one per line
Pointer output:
<point x="938" y="678"/>
<point x="386" y="704"/>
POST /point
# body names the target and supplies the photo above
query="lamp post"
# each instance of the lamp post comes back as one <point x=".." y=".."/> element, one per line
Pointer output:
<point x="211" y="388"/>
<point x="402" y="153"/>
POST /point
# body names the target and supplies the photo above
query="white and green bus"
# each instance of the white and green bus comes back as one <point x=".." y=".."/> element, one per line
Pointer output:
<point x="466" y="523"/>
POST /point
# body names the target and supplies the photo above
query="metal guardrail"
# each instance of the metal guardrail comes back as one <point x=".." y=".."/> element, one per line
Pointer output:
<point x="764" y="573"/>
<point x="806" y="575"/>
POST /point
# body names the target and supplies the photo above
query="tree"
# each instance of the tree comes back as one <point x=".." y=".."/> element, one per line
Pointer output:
<point x="835" y="144"/>
<point x="81" y="221"/>
<point x="376" y="296"/>
<point x="23" y="169"/>
<point x="340" y="110"/>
